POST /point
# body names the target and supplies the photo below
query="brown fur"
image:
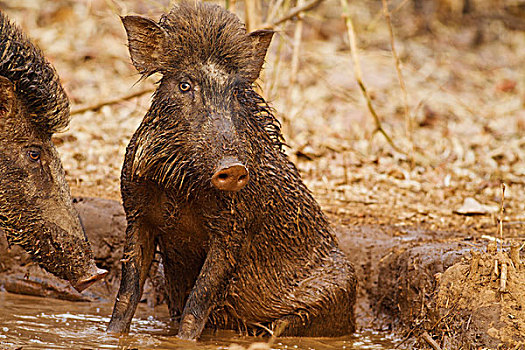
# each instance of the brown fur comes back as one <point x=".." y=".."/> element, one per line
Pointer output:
<point x="261" y="258"/>
<point x="35" y="80"/>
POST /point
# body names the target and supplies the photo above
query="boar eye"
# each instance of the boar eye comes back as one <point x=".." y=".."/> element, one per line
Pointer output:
<point x="34" y="155"/>
<point x="184" y="86"/>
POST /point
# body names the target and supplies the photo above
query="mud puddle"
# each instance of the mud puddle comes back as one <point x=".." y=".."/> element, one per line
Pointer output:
<point x="38" y="323"/>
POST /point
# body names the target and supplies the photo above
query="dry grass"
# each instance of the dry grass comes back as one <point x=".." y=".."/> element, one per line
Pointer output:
<point x="466" y="101"/>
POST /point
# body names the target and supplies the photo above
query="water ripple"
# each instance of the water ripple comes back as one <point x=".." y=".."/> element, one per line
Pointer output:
<point x="38" y="323"/>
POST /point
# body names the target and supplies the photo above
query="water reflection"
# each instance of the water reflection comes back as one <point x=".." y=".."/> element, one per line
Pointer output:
<point x="39" y="323"/>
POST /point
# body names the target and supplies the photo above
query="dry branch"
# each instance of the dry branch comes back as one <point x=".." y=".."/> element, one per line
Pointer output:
<point x="293" y="13"/>
<point x="515" y="255"/>
<point x="399" y="6"/>
<point x="231" y="5"/>
<point x="426" y="337"/>
<point x="100" y="104"/>
<point x="503" y="278"/>
<point x="294" y="69"/>
<point x="408" y="118"/>
<point x="251" y="18"/>
<point x="359" y="76"/>
<point x="474" y="263"/>
<point x="277" y="64"/>
<point x="500" y="218"/>
<point x="272" y="10"/>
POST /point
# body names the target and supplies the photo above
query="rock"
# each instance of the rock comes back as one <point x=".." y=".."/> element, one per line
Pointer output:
<point x="473" y="207"/>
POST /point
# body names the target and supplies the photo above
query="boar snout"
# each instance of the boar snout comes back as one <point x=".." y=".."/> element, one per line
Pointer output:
<point x="95" y="274"/>
<point x="231" y="175"/>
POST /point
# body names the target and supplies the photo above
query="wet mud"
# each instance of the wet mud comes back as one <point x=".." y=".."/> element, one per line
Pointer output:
<point x="28" y="322"/>
<point x="425" y="286"/>
<point x="442" y="289"/>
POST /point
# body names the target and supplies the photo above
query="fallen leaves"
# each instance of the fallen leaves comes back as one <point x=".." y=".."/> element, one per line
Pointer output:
<point x="468" y="104"/>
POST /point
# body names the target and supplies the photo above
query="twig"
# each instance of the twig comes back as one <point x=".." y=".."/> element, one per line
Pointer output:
<point x="503" y="278"/>
<point x="515" y="255"/>
<point x="296" y="45"/>
<point x="399" y="6"/>
<point x="294" y="68"/>
<point x="404" y="339"/>
<point x="230" y="5"/>
<point x="251" y="8"/>
<point x="500" y="219"/>
<point x="373" y="23"/>
<point x="293" y="12"/>
<point x="474" y="263"/>
<point x="117" y="9"/>
<point x="408" y="118"/>
<point x="359" y="78"/>
<point x="490" y="238"/>
<point x="98" y="105"/>
<point x="272" y="10"/>
<point x="274" y="82"/>
<point x="433" y="344"/>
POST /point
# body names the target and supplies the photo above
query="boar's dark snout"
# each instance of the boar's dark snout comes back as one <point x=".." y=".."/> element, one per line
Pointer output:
<point x="231" y="175"/>
<point x="96" y="275"/>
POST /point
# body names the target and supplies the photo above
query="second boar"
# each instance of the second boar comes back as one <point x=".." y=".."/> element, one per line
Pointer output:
<point x="35" y="204"/>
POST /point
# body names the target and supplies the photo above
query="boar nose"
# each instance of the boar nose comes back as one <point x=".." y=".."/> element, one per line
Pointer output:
<point x="95" y="275"/>
<point x="230" y="176"/>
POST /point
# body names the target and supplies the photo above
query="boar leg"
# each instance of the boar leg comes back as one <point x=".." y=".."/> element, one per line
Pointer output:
<point x="328" y="291"/>
<point x="181" y="270"/>
<point x="138" y="255"/>
<point x="207" y="290"/>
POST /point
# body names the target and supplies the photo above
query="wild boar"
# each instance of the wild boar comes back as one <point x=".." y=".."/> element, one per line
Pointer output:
<point x="35" y="203"/>
<point x="243" y="242"/>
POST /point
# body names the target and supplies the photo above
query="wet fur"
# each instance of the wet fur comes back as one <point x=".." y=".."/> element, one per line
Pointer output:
<point x="36" y="82"/>
<point x="35" y="204"/>
<point x="259" y="259"/>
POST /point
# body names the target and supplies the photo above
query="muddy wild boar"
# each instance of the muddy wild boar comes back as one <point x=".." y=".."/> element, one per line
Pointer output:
<point x="35" y="204"/>
<point x="244" y="244"/>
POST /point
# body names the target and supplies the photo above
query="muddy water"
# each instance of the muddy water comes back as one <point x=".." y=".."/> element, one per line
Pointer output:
<point x="38" y="323"/>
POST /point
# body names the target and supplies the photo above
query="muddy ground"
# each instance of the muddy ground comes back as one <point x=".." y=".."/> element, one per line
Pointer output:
<point x="399" y="211"/>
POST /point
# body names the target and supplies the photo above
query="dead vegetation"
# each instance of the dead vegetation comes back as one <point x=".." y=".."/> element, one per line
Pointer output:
<point x="442" y="121"/>
<point x="465" y="99"/>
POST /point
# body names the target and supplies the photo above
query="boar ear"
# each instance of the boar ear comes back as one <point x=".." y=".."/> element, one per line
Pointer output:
<point x="7" y="95"/>
<point x="260" y="41"/>
<point x="146" y="42"/>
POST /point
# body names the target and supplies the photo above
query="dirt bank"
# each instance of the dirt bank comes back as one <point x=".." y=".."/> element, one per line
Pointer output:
<point x="447" y="290"/>
<point x="418" y="283"/>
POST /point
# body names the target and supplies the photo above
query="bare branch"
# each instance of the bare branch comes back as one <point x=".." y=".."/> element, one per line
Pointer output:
<point x="433" y="344"/>
<point x="100" y="104"/>
<point x="359" y="76"/>
<point x="293" y="13"/>
<point x="408" y="118"/>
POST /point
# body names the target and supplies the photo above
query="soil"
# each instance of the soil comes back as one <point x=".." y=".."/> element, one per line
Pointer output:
<point x="398" y="211"/>
<point x="410" y="282"/>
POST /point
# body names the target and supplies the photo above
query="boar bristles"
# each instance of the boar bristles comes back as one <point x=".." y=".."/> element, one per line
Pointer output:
<point x="35" y="81"/>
